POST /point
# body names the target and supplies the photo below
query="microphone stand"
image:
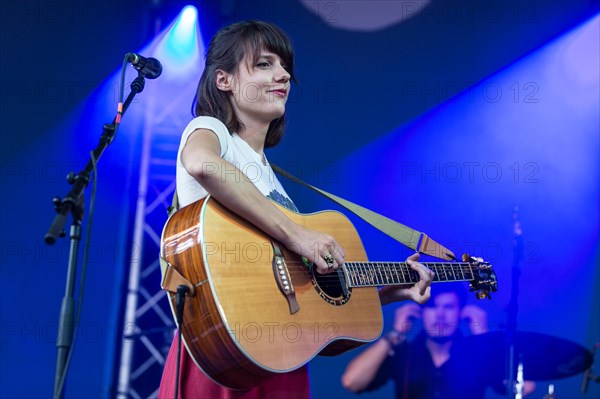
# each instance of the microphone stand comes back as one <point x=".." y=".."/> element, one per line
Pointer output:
<point x="73" y="203"/>
<point x="513" y="310"/>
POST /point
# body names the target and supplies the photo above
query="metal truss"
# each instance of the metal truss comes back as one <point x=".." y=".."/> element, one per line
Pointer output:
<point x="148" y="322"/>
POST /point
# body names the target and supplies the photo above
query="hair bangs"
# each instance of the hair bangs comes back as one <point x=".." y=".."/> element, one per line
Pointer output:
<point x="261" y="36"/>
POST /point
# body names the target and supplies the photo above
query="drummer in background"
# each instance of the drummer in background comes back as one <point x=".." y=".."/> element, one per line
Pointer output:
<point x="436" y="364"/>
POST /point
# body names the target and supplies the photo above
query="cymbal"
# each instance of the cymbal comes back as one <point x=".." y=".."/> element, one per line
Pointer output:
<point x="544" y="357"/>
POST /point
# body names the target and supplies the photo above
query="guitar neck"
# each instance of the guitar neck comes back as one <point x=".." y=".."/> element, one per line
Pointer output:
<point x="370" y="274"/>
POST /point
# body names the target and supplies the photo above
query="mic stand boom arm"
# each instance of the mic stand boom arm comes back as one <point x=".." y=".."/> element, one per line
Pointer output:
<point x="80" y="182"/>
<point x="73" y="203"/>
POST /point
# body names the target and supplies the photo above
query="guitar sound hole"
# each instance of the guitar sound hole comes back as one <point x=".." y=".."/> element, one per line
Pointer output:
<point x="332" y="287"/>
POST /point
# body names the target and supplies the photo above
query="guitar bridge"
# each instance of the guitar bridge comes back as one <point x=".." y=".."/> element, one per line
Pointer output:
<point x="283" y="278"/>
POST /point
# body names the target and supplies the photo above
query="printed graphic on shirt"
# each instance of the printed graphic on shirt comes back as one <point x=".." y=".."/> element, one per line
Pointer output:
<point x="282" y="200"/>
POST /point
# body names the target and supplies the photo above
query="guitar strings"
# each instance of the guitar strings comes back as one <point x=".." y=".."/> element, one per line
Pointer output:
<point x="403" y="268"/>
<point x="460" y="272"/>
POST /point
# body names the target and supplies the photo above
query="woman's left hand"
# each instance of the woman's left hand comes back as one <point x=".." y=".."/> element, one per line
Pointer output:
<point x="419" y="292"/>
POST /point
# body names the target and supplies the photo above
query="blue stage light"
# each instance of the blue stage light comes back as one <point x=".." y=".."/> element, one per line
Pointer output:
<point x="179" y="49"/>
<point x="182" y="39"/>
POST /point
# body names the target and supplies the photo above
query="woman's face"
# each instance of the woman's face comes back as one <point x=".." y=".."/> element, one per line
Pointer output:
<point x="260" y="90"/>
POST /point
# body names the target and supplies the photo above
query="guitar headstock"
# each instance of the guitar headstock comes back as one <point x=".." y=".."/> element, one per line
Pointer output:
<point x="484" y="282"/>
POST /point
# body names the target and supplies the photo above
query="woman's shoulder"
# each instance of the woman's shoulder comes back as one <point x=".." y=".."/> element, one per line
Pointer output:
<point x="206" y="122"/>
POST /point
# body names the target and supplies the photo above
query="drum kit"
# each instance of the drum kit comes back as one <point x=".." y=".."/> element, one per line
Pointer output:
<point x="540" y="357"/>
<point x="532" y="356"/>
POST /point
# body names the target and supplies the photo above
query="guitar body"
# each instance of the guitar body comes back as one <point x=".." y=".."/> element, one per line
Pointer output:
<point x="239" y="326"/>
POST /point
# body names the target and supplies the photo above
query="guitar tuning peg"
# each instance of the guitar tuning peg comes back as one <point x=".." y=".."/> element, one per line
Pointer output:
<point x="482" y="294"/>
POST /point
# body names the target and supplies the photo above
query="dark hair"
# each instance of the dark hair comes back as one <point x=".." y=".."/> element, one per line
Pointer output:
<point x="445" y="288"/>
<point x="225" y="51"/>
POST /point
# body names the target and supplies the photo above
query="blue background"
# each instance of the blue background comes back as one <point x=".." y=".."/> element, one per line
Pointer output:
<point x="445" y="121"/>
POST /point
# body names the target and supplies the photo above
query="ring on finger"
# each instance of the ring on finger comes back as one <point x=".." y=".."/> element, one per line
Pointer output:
<point x="329" y="260"/>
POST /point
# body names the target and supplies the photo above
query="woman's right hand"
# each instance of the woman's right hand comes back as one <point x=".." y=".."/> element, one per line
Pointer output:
<point x="316" y="247"/>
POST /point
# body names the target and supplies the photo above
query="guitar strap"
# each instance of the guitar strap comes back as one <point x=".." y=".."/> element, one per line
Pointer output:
<point x="413" y="239"/>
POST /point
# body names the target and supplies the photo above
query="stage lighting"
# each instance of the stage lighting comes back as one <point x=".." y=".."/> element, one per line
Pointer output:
<point x="179" y="50"/>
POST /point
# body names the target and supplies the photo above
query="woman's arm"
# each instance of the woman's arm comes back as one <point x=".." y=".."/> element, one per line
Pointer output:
<point x="202" y="160"/>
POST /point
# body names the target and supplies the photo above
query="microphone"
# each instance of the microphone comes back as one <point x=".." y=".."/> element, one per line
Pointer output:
<point x="149" y="67"/>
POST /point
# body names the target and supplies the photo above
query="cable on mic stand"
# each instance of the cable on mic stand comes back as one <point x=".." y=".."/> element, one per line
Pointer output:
<point x="182" y="290"/>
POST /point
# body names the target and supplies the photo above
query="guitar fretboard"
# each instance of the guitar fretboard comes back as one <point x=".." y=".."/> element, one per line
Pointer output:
<point x="369" y="274"/>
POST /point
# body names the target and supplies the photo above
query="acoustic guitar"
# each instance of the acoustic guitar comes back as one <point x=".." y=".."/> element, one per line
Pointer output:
<point x="256" y="309"/>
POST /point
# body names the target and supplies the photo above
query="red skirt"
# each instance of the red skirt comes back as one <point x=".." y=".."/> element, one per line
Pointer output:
<point x="196" y="385"/>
